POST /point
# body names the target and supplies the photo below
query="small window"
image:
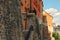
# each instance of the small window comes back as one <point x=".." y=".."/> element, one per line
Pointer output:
<point x="44" y="19"/>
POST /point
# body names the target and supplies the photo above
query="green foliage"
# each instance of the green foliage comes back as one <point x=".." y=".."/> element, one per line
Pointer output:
<point x="56" y="36"/>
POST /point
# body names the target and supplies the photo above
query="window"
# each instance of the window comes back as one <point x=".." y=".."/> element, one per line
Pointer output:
<point x="44" y="19"/>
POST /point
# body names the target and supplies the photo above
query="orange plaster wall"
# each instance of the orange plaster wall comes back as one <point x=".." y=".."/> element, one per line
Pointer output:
<point x="49" y="19"/>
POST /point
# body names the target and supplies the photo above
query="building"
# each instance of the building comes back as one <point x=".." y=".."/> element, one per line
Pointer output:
<point x="47" y="22"/>
<point x="56" y="28"/>
<point x="31" y="6"/>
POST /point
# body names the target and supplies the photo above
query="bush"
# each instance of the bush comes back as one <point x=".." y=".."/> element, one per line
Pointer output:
<point x="56" y="36"/>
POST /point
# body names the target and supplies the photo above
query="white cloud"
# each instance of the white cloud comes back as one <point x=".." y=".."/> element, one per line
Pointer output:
<point x="56" y="20"/>
<point x="57" y="14"/>
<point x="51" y="10"/>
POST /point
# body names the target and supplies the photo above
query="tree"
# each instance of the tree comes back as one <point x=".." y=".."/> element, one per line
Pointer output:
<point x="56" y="36"/>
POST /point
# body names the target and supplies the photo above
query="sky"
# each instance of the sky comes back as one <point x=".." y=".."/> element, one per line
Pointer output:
<point x="53" y="8"/>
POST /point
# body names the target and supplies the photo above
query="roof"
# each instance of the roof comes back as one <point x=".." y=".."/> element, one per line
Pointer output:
<point x="47" y="13"/>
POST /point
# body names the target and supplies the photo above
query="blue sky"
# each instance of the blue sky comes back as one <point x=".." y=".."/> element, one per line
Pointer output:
<point x="53" y="7"/>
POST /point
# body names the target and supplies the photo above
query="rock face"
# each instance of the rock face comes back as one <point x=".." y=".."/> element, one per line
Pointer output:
<point x="10" y="20"/>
